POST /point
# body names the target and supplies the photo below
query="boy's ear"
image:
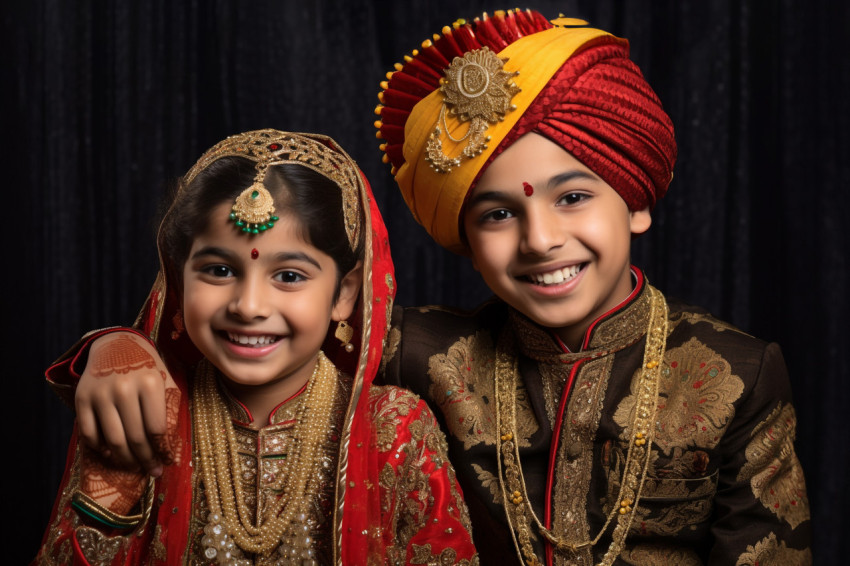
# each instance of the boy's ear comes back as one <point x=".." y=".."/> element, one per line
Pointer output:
<point x="640" y="221"/>
<point x="349" y="291"/>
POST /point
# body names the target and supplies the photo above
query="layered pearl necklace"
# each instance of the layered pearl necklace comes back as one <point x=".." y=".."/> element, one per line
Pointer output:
<point x="231" y="529"/>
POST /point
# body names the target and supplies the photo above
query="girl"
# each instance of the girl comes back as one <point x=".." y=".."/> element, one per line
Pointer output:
<point x="270" y="312"/>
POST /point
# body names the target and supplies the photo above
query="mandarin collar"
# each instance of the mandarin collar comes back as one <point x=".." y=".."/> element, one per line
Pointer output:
<point x="241" y="416"/>
<point x="618" y="328"/>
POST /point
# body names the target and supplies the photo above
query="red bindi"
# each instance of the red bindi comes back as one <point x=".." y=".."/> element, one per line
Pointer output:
<point x="529" y="190"/>
<point x="254" y="253"/>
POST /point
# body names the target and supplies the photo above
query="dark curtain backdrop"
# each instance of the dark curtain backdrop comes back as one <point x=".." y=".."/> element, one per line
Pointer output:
<point x="104" y="102"/>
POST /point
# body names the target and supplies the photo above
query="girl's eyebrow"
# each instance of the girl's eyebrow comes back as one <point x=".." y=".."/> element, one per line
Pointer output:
<point x="559" y="179"/>
<point x="231" y="255"/>
<point x="297" y="256"/>
<point x="214" y="251"/>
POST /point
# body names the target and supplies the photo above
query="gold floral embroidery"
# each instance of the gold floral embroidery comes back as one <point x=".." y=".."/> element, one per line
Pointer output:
<point x="390" y="348"/>
<point x="489" y="481"/>
<point x="653" y="555"/>
<point x="462" y="385"/>
<point x="770" y="552"/>
<point x="697" y="391"/>
<point x="772" y="467"/>
<point x="448" y="557"/>
<point x="395" y="402"/>
<point x="98" y="548"/>
<point x="158" y="549"/>
<point x="696" y="317"/>
<point x="407" y="495"/>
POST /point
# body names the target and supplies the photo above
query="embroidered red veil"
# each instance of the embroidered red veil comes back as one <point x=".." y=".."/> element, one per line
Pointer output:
<point x="357" y="513"/>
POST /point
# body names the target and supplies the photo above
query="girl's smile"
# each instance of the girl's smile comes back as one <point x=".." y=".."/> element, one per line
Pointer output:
<point x="258" y="307"/>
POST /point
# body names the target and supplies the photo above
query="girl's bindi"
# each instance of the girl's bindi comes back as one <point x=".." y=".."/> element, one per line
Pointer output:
<point x="529" y="190"/>
<point x="254" y="253"/>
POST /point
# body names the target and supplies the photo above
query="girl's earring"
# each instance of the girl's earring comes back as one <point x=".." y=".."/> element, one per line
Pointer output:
<point x="344" y="333"/>
<point x="177" y="321"/>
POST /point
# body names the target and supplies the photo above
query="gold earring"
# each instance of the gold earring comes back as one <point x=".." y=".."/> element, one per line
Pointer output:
<point x="179" y="327"/>
<point x="344" y="333"/>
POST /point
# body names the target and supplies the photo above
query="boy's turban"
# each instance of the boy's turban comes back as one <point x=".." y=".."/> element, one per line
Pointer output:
<point x="478" y="87"/>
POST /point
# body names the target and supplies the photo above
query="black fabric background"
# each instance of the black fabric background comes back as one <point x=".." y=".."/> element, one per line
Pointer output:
<point x="104" y="102"/>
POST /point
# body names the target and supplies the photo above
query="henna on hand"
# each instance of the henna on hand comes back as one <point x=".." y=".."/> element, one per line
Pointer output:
<point x="114" y="488"/>
<point x="123" y="356"/>
<point x="168" y="446"/>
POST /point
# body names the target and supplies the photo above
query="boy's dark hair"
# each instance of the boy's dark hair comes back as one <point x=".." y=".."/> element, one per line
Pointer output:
<point x="298" y="192"/>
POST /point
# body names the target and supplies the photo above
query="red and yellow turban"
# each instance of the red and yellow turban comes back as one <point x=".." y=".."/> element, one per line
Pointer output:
<point x="466" y="96"/>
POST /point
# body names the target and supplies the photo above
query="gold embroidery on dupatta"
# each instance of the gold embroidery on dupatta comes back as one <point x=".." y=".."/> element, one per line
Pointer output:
<point x="158" y="549"/>
<point x="448" y="557"/>
<point x="575" y="455"/>
<point x="770" y="552"/>
<point x="772" y="467"/>
<point x="697" y="390"/>
<point x="462" y="385"/>
<point x="406" y="492"/>
<point x="98" y="548"/>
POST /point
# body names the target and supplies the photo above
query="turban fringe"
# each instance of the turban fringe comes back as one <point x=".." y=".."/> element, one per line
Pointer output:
<point x="579" y="89"/>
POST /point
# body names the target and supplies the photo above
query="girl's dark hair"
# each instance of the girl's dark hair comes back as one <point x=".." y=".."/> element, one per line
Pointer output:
<point x="312" y="198"/>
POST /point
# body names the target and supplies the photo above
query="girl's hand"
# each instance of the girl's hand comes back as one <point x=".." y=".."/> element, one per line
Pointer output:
<point x="116" y="489"/>
<point x="121" y="404"/>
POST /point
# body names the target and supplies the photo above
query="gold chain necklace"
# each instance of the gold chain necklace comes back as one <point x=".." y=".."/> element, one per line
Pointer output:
<point x="219" y="459"/>
<point x="511" y="480"/>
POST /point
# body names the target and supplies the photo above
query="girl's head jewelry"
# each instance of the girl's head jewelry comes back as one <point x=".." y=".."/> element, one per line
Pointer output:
<point x="253" y="211"/>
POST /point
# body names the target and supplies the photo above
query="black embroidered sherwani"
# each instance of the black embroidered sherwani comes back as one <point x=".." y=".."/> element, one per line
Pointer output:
<point x="723" y="484"/>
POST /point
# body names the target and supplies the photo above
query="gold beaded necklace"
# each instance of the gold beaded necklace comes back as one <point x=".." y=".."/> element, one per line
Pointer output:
<point x="511" y="480"/>
<point x="217" y="449"/>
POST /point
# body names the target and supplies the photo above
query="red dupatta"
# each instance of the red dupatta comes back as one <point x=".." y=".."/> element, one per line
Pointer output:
<point x="357" y="513"/>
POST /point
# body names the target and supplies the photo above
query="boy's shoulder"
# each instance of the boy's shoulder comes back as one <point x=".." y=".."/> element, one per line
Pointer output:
<point x="442" y="321"/>
<point x="688" y="322"/>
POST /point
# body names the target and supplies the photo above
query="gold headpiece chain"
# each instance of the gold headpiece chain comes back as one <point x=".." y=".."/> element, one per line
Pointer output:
<point x="253" y="211"/>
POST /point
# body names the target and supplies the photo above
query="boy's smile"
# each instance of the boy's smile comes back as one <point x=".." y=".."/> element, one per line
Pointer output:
<point x="559" y="255"/>
<point x="258" y="307"/>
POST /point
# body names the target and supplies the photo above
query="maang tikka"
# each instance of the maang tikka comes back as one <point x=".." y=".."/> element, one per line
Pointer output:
<point x="253" y="210"/>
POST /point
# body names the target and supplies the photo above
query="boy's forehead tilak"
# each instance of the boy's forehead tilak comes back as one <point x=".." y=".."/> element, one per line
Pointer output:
<point x="482" y="193"/>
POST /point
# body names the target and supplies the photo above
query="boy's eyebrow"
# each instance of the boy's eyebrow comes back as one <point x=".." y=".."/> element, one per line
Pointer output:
<point x="568" y="176"/>
<point x="556" y="180"/>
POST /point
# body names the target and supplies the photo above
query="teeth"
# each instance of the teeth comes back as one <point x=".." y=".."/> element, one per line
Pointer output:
<point x="558" y="276"/>
<point x="251" y="340"/>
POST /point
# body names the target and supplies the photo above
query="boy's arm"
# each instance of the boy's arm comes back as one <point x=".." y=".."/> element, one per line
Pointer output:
<point x="761" y="507"/>
<point x="117" y="382"/>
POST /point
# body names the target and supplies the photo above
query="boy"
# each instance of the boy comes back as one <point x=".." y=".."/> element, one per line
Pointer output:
<point x="590" y="420"/>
